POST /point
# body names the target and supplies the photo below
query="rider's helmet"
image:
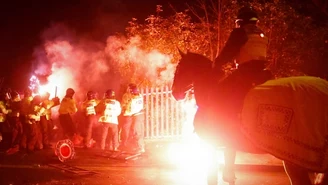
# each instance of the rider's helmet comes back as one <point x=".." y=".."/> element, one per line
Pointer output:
<point x="133" y="89"/>
<point x="91" y="95"/>
<point x="110" y="94"/>
<point x="246" y="15"/>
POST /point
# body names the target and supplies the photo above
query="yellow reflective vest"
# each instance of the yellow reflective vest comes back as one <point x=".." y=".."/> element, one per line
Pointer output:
<point x="255" y="47"/>
<point x="3" y="111"/>
<point x="132" y="104"/>
<point x="110" y="110"/>
<point x="89" y="107"/>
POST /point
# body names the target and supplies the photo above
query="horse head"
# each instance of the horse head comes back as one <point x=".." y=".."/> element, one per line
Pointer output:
<point x="190" y="68"/>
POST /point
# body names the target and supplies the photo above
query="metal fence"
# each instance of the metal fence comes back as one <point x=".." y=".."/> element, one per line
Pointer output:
<point x="164" y="116"/>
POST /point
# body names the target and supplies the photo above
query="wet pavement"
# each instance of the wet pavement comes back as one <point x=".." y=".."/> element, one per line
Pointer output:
<point x="155" y="167"/>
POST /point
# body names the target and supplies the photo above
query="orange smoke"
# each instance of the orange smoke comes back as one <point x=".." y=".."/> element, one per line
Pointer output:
<point x="70" y="61"/>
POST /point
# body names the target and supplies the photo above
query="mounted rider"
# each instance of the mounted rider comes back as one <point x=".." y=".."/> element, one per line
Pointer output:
<point x="247" y="47"/>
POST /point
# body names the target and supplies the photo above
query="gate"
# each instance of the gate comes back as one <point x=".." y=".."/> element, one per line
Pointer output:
<point x="164" y="116"/>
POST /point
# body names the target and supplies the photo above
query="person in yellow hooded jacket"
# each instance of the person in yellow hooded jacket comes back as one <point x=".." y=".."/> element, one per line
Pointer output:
<point x="67" y="108"/>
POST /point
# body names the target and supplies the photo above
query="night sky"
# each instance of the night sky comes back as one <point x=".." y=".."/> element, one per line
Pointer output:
<point x="22" y="23"/>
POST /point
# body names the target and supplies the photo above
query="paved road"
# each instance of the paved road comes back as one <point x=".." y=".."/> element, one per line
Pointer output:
<point x="151" y="169"/>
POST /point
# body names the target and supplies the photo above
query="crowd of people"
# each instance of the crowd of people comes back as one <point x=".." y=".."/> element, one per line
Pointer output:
<point x="27" y="122"/>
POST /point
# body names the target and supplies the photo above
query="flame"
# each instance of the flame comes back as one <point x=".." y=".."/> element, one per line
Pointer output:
<point x="186" y="154"/>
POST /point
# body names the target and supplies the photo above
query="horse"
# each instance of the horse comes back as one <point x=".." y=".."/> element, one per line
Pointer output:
<point x="263" y="127"/>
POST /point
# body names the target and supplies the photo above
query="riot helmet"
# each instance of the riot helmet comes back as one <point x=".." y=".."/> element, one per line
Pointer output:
<point x="14" y="95"/>
<point x="36" y="100"/>
<point x="70" y="92"/>
<point x="91" y="95"/>
<point x="110" y="94"/>
<point x="133" y="89"/>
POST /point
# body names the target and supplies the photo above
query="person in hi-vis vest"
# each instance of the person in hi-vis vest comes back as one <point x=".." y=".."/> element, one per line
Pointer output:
<point x="110" y="109"/>
<point x="132" y="135"/>
<point x="66" y="109"/>
<point x="89" y="108"/>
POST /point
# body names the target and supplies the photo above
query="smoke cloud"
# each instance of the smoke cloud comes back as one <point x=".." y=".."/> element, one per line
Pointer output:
<point x="68" y="60"/>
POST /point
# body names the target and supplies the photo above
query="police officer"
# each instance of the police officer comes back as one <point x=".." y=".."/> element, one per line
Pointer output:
<point x="45" y="118"/>
<point x="25" y="105"/>
<point x="33" y="124"/>
<point x="67" y="108"/>
<point x="88" y="107"/>
<point x="110" y="109"/>
<point x="14" y="121"/>
<point x="247" y="47"/>
<point x="133" y="124"/>
<point x="3" y="115"/>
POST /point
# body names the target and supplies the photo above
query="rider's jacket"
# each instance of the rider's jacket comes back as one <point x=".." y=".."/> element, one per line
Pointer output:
<point x="132" y="104"/>
<point x="67" y="106"/>
<point x="245" y="44"/>
<point x="110" y="109"/>
<point x="89" y="107"/>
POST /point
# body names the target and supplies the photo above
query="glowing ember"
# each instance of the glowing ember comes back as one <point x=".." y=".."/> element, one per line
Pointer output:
<point x="34" y="84"/>
<point x="39" y="89"/>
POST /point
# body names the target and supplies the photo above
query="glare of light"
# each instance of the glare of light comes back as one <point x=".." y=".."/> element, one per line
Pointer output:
<point x="41" y="89"/>
<point x="194" y="154"/>
<point x="262" y="35"/>
<point x="191" y="151"/>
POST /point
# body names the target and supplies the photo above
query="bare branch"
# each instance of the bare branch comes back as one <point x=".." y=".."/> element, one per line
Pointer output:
<point x="193" y="11"/>
<point x="322" y="5"/>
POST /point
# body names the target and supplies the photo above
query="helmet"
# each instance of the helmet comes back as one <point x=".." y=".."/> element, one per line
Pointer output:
<point x="70" y="92"/>
<point x="132" y="88"/>
<point x="27" y="92"/>
<point x="91" y="95"/>
<point x="14" y="94"/>
<point x="246" y="15"/>
<point x="110" y="94"/>
<point x="36" y="100"/>
<point x="46" y="95"/>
